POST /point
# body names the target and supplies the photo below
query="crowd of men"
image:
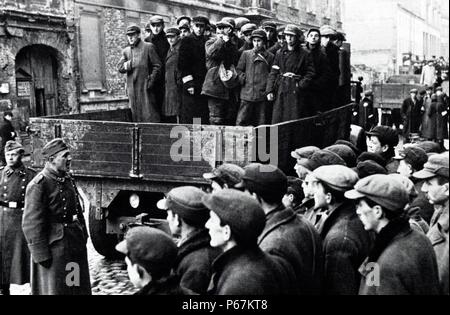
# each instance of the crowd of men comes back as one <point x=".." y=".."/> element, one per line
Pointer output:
<point x="233" y="72"/>
<point x="372" y="222"/>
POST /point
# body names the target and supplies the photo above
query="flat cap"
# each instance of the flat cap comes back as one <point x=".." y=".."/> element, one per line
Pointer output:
<point x="368" y="93"/>
<point x="437" y="165"/>
<point x="345" y="152"/>
<point x="185" y="26"/>
<point x="173" y="31"/>
<point x="187" y="203"/>
<point x="156" y="19"/>
<point x="350" y="145"/>
<point x="429" y="146"/>
<point x="240" y="22"/>
<point x="259" y="34"/>
<point x="227" y="22"/>
<point x="407" y="183"/>
<point x="369" y="168"/>
<point x="54" y="147"/>
<point x="249" y="27"/>
<point x="370" y="156"/>
<point x="327" y="30"/>
<point x="13" y="146"/>
<point x="305" y="152"/>
<point x="292" y="29"/>
<point x="200" y="19"/>
<point x="381" y="189"/>
<point x="414" y="156"/>
<point x="133" y="29"/>
<point x="184" y="18"/>
<point x="324" y="157"/>
<point x="230" y="174"/>
<point x="385" y="134"/>
<point x="269" y="24"/>
<point x="313" y="30"/>
<point x="151" y="248"/>
<point x="240" y="211"/>
<point x="415" y="91"/>
<point x="338" y="177"/>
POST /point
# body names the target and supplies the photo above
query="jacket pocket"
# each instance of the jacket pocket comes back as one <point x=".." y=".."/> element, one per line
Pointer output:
<point x="56" y="233"/>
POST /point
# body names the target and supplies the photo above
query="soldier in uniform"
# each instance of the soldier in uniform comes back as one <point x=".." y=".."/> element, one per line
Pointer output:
<point x="14" y="254"/>
<point x="55" y="229"/>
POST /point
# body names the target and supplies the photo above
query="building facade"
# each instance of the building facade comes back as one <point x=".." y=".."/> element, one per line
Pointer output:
<point x="390" y="35"/>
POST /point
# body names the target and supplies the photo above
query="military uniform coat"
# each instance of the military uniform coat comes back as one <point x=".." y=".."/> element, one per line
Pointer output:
<point x="290" y="93"/>
<point x="143" y="68"/>
<point x="14" y="253"/>
<point x="50" y="199"/>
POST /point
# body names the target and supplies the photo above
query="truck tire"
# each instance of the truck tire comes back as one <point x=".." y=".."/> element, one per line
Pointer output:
<point x="103" y="243"/>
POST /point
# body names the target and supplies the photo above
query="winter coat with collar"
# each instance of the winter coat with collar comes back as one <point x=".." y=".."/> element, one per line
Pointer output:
<point x="173" y="83"/>
<point x="167" y="286"/>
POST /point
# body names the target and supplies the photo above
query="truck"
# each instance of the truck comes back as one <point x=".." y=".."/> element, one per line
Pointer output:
<point x="390" y="95"/>
<point x="123" y="168"/>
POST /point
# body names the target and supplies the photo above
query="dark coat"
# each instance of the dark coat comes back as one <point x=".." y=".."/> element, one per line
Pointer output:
<point x="253" y="70"/>
<point x="143" y="67"/>
<point x="14" y="253"/>
<point x="49" y="198"/>
<point x="365" y="115"/>
<point x="290" y="94"/>
<point x="291" y="240"/>
<point x="161" y="45"/>
<point x="245" y="271"/>
<point x="442" y="117"/>
<point x="7" y="132"/>
<point x="411" y="114"/>
<point x="218" y="51"/>
<point x="194" y="262"/>
<point x="345" y="244"/>
<point x="332" y="53"/>
<point x="173" y="83"/>
<point x="429" y="118"/>
<point x="168" y="286"/>
<point x="275" y="48"/>
<point x="406" y="261"/>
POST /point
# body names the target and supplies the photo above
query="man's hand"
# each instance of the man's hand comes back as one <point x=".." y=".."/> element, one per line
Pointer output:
<point x="46" y="264"/>
<point x="226" y="38"/>
<point x="270" y="97"/>
<point x="191" y="91"/>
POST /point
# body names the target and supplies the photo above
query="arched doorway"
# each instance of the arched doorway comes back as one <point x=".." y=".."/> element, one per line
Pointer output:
<point x="37" y="80"/>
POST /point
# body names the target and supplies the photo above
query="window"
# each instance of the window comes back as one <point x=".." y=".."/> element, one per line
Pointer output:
<point x="311" y="6"/>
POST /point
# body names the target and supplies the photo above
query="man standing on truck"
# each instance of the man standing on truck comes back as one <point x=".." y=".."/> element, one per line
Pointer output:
<point x="7" y="132"/>
<point x="143" y="67"/>
<point x="55" y="229"/>
<point x="411" y="114"/>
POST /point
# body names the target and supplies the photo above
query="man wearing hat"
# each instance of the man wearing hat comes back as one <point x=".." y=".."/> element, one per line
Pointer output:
<point x="185" y="30"/>
<point x="141" y="64"/>
<point x="192" y="67"/>
<point x="225" y="176"/>
<point x="345" y="242"/>
<point x="236" y="220"/>
<point x="290" y="239"/>
<point x="150" y="255"/>
<point x="442" y="109"/>
<point x="253" y="69"/>
<point x="291" y="75"/>
<point x="240" y="22"/>
<point x="411" y="114"/>
<point x="436" y="187"/>
<point x="404" y="259"/>
<point x="221" y="51"/>
<point x="173" y="86"/>
<point x="187" y="216"/>
<point x="345" y="153"/>
<point x="247" y="31"/>
<point x="271" y="31"/>
<point x="302" y="156"/>
<point x="281" y="40"/>
<point x="7" y="133"/>
<point x="365" y="115"/>
<point x="54" y="227"/>
<point x="383" y="140"/>
<point x="294" y="196"/>
<point x="14" y="253"/>
<point x="344" y="89"/>
<point x="328" y="35"/>
<point x="412" y="159"/>
<point x="184" y="21"/>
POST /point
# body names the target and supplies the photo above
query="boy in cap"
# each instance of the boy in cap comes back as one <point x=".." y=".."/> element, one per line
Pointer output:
<point x="187" y="216"/>
<point x="240" y="22"/>
<point x="185" y="30"/>
<point x="281" y="42"/>
<point x="404" y="258"/>
<point x="411" y="114"/>
<point x="294" y="195"/>
<point x="150" y="255"/>
<point x="302" y="156"/>
<point x="288" y="238"/>
<point x="184" y="21"/>
<point x="7" y="132"/>
<point x="15" y="256"/>
<point x="271" y="31"/>
<point x="383" y="140"/>
<point x="225" y="176"/>
<point x="253" y="69"/>
<point x="54" y="226"/>
<point x="236" y="220"/>
<point x="247" y="31"/>
<point x="142" y="65"/>
<point x="412" y="159"/>
<point x="345" y="242"/>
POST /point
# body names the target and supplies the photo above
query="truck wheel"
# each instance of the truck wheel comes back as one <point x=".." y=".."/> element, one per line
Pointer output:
<point x="103" y="243"/>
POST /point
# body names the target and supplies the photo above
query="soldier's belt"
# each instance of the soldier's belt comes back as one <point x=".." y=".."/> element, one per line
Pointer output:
<point x="12" y="204"/>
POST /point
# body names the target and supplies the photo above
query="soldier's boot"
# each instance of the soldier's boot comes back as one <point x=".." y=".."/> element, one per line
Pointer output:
<point x="4" y="289"/>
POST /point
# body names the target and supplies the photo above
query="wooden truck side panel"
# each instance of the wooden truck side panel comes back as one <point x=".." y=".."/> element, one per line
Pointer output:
<point x="391" y="95"/>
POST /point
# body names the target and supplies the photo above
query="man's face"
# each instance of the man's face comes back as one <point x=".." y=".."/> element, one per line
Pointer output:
<point x="199" y="29"/>
<point x="133" y="274"/>
<point x="13" y="158"/>
<point x="173" y="221"/>
<point x="405" y="169"/>
<point x="313" y="38"/>
<point x="156" y="28"/>
<point x="258" y="43"/>
<point x="216" y="186"/>
<point x="374" y="145"/>
<point x="185" y="32"/>
<point x="223" y="30"/>
<point x="436" y="193"/>
<point x="367" y="215"/>
<point x="324" y="40"/>
<point x="413" y="95"/>
<point x="217" y="232"/>
<point x="308" y="186"/>
<point x="132" y="38"/>
<point x="61" y="162"/>
<point x="281" y="39"/>
<point x="338" y="43"/>
<point x="320" y="197"/>
<point x="290" y="39"/>
<point x="172" y="39"/>
<point x="248" y="37"/>
<point x="270" y="32"/>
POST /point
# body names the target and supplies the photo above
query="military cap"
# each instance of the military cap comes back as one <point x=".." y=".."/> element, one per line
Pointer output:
<point x="292" y="29"/>
<point x="415" y="91"/>
<point x="385" y="134"/>
<point x="200" y="20"/>
<point x="150" y="248"/>
<point x="345" y="152"/>
<point x="324" y="157"/>
<point x="173" y="31"/>
<point x="280" y="29"/>
<point x="184" y="26"/>
<point x="54" y="147"/>
<point x="439" y="88"/>
<point x="264" y="180"/>
<point x="369" y="156"/>
<point x="437" y="165"/>
<point x="407" y="183"/>
<point x="13" y="146"/>
<point x="240" y="22"/>
<point x="327" y="30"/>
<point x="184" y="17"/>
<point x="187" y="203"/>
<point x="156" y="19"/>
<point x="249" y="27"/>
<point x="338" y="177"/>
<point x="240" y="211"/>
<point x="305" y="152"/>
<point x="368" y="93"/>
<point x="369" y="168"/>
<point x="269" y="24"/>
<point x="429" y="146"/>
<point x="229" y="174"/>
<point x="381" y="189"/>
<point x="313" y="30"/>
<point x="259" y="34"/>
<point x="414" y="156"/>
<point x="133" y="29"/>
<point x="350" y="145"/>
